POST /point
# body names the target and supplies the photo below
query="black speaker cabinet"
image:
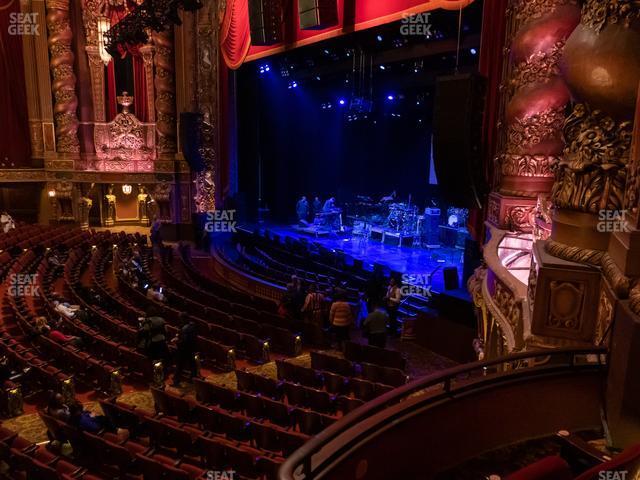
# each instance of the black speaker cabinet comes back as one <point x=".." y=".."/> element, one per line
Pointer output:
<point x="266" y="21"/>
<point x="451" y="278"/>
<point x="317" y="14"/>
<point x="457" y="136"/>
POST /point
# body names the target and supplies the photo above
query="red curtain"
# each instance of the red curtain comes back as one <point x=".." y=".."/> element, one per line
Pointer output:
<point x="15" y="146"/>
<point x="112" y="102"/>
<point x="235" y="34"/>
<point x="140" y="89"/>
<point x="494" y="24"/>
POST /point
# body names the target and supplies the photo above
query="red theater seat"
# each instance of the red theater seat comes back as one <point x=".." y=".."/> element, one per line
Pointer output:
<point x="549" y="468"/>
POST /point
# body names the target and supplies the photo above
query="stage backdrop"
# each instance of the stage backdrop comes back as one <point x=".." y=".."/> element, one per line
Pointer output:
<point x="353" y="15"/>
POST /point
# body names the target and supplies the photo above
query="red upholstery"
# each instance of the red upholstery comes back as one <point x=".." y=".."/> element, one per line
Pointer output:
<point x="629" y="457"/>
<point x="549" y="468"/>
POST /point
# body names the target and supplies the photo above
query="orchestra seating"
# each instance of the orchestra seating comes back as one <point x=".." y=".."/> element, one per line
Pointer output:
<point x="250" y="429"/>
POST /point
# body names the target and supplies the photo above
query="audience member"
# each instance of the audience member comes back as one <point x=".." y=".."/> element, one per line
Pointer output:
<point x="375" y="327"/>
<point x="393" y="299"/>
<point x="57" y="408"/>
<point x="186" y="343"/>
<point x="155" y="293"/>
<point x="313" y="306"/>
<point x="341" y="318"/>
<point x="85" y="421"/>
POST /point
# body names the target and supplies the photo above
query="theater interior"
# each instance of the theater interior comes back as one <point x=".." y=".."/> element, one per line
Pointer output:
<point x="319" y="239"/>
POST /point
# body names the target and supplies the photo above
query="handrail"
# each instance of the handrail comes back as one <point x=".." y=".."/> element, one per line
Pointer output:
<point x="302" y="456"/>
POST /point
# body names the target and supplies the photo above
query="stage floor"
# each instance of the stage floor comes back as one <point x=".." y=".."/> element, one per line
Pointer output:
<point x="416" y="261"/>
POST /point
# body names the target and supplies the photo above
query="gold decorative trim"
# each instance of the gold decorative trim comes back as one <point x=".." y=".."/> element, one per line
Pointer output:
<point x="574" y="254"/>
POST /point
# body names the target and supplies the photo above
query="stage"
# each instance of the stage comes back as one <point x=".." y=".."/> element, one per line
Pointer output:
<point x="416" y="263"/>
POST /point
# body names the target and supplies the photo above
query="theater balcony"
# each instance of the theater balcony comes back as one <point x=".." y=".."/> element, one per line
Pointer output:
<point x="438" y="422"/>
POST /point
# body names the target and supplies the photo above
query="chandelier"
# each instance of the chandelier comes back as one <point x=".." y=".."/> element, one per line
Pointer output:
<point x="103" y="27"/>
<point x="155" y="15"/>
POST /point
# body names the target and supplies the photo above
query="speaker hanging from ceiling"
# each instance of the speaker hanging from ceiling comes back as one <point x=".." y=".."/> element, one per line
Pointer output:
<point x="317" y="14"/>
<point x="457" y="137"/>
<point x="266" y="21"/>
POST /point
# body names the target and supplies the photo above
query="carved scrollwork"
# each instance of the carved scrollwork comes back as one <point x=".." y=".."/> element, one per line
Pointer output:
<point x="592" y="175"/>
<point x="534" y="129"/>
<point x="528" y="165"/>
<point x="518" y="217"/>
<point x="538" y="68"/>
<point x="605" y="316"/>
<point x="598" y="13"/>
<point x="525" y="11"/>
<point x="165" y="91"/>
<point x="565" y="305"/>
<point x="508" y="305"/>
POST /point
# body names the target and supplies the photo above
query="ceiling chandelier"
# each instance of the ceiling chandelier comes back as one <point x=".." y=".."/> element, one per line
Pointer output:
<point x="150" y="15"/>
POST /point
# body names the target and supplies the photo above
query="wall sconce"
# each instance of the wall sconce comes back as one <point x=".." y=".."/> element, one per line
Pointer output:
<point x="51" y="193"/>
<point x="103" y="27"/>
<point x="127" y="189"/>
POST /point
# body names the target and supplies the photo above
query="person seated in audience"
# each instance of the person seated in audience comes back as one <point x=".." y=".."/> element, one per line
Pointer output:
<point x="64" y="308"/>
<point x="6" y="222"/>
<point x="57" y="408"/>
<point x="375" y="326"/>
<point x="53" y="332"/>
<point x="54" y="260"/>
<point x="186" y="342"/>
<point x="40" y="325"/>
<point x="341" y="318"/>
<point x="312" y="309"/>
<point x="298" y="294"/>
<point x="86" y="421"/>
<point x="155" y="293"/>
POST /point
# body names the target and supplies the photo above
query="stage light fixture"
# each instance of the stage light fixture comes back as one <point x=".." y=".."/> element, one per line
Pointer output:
<point x="382" y="67"/>
<point x="473" y="51"/>
<point x="391" y="98"/>
<point x="379" y="38"/>
<point x="293" y="84"/>
<point x="342" y="101"/>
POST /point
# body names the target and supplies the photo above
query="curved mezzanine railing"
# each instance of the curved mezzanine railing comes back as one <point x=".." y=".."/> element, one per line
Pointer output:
<point x="319" y="457"/>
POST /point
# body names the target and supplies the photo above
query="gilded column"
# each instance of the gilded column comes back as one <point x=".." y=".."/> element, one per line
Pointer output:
<point x="147" y="57"/>
<point x="31" y="80"/>
<point x="165" y="101"/>
<point x="64" y="80"/>
<point x="536" y="97"/>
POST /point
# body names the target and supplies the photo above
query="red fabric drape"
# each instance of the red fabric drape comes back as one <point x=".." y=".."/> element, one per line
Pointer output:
<point x="235" y="33"/>
<point x="494" y="24"/>
<point x="15" y="146"/>
<point x="112" y="102"/>
<point x="140" y="89"/>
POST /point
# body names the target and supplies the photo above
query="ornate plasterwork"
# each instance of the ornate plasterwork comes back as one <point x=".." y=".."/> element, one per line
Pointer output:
<point x="598" y="13"/>
<point x="528" y="165"/>
<point x="64" y="80"/>
<point x="525" y="11"/>
<point x="605" y="316"/>
<point x="529" y="131"/>
<point x="165" y="87"/>
<point x="565" y="305"/>
<point x="540" y="67"/>
<point x="592" y="175"/>
<point x="508" y="305"/>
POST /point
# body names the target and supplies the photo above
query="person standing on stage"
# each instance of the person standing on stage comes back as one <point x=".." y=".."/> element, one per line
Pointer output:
<point x="393" y="299"/>
<point x="317" y="206"/>
<point x="302" y="210"/>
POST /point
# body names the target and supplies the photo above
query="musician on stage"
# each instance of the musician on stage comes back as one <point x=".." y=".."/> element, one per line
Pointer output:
<point x="302" y="210"/>
<point x="317" y="206"/>
<point x="389" y="198"/>
<point x="329" y="205"/>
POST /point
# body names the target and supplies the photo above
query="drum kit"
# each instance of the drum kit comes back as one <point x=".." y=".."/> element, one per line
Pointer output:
<point x="402" y="217"/>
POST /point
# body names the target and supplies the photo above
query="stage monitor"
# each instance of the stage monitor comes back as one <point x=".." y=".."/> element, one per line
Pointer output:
<point x="457" y="152"/>
<point x="266" y="22"/>
<point x="317" y="14"/>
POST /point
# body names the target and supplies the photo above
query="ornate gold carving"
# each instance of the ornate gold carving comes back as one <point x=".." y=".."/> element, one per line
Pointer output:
<point x="518" y="217"/>
<point x="528" y="165"/>
<point x="162" y="197"/>
<point x="598" y="13"/>
<point x="508" y="305"/>
<point x="111" y="207"/>
<point x="538" y="68"/>
<point x="205" y="192"/>
<point x="64" y="80"/>
<point x="525" y="11"/>
<point x="534" y="129"/>
<point x="574" y="254"/>
<point x="605" y="316"/>
<point x="592" y="175"/>
<point x="634" y="298"/>
<point x="165" y="91"/>
<point x="565" y="305"/>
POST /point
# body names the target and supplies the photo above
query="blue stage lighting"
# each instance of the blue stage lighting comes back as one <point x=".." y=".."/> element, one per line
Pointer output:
<point x="473" y="51"/>
<point x="379" y="38"/>
<point x="264" y="68"/>
<point x="382" y="67"/>
<point x="391" y="98"/>
<point x="342" y="101"/>
<point x="292" y="84"/>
